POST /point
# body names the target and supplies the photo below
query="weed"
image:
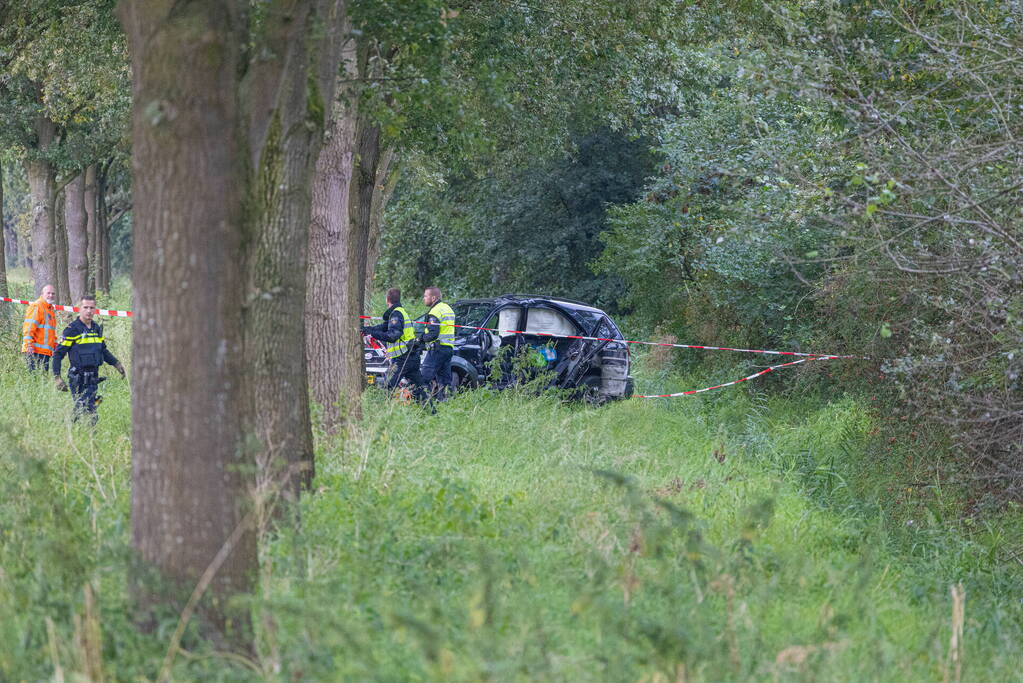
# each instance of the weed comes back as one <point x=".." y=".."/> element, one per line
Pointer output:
<point x="734" y="536"/>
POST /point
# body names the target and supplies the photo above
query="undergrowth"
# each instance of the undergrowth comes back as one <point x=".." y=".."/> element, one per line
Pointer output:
<point x="732" y="535"/>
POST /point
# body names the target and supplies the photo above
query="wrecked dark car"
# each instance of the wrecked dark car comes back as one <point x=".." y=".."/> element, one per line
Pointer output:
<point x="597" y="371"/>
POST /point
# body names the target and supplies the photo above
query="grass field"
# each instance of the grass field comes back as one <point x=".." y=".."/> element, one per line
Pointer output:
<point x="728" y="536"/>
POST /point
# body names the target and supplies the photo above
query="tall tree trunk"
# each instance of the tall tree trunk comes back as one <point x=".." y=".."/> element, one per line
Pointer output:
<point x="76" y="220"/>
<point x="235" y="144"/>
<point x="104" y="273"/>
<point x="387" y="178"/>
<point x="192" y="471"/>
<point x="89" y="200"/>
<point x="325" y="313"/>
<point x="3" y="241"/>
<point x="102" y="246"/>
<point x="353" y="274"/>
<point x="42" y="184"/>
<point x="284" y="158"/>
<point x="60" y="246"/>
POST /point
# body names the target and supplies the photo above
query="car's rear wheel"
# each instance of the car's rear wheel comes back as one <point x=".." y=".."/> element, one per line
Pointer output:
<point x="588" y="390"/>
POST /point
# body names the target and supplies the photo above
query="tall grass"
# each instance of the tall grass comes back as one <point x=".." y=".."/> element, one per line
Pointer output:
<point x="725" y="536"/>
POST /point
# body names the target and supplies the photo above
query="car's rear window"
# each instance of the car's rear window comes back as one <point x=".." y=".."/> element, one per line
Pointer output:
<point x="471" y="314"/>
<point x="607" y="329"/>
<point x="589" y="319"/>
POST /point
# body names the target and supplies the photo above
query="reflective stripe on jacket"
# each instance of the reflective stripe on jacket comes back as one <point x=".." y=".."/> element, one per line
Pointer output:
<point x="399" y="347"/>
<point x="446" y="317"/>
<point x="84" y="345"/>
<point x="39" y="331"/>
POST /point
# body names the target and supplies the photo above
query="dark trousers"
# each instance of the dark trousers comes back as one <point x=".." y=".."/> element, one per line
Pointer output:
<point x="437" y="369"/>
<point x="406" y="365"/>
<point x="34" y="361"/>
<point x="84" y="385"/>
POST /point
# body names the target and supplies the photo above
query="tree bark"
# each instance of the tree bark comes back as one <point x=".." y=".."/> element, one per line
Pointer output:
<point x="102" y="254"/>
<point x="284" y="149"/>
<point x="3" y="245"/>
<point x="223" y="158"/>
<point x="91" y="236"/>
<point x="192" y="471"/>
<point x="353" y="274"/>
<point x="340" y="265"/>
<point x="325" y="313"/>
<point x="42" y="184"/>
<point x="388" y="172"/>
<point x="76" y="222"/>
<point x="60" y="247"/>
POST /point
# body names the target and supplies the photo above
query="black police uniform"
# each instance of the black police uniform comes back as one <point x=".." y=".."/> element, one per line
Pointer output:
<point x="390" y="331"/>
<point x="436" y="366"/>
<point x="87" y="351"/>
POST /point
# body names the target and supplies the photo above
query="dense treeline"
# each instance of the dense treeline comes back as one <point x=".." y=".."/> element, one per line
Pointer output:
<point x="533" y="229"/>
<point x="828" y="176"/>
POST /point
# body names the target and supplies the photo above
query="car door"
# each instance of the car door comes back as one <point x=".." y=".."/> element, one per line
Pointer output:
<point x="504" y="319"/>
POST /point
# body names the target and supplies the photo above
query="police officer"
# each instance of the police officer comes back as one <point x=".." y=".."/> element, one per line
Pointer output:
<point x="83" y="341"/>
<point x="399" y="340"/>
<point x="439" y="338"/>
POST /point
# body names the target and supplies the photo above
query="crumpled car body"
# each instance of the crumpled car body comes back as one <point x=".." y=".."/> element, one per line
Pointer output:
<point x="597" y="371"/>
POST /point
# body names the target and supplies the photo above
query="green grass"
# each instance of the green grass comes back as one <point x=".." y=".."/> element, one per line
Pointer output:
<point x="729" y="536"/>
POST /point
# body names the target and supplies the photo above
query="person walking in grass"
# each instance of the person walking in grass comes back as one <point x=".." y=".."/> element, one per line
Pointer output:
<point x="83" y="342"/>
<point x="39" y="331"/>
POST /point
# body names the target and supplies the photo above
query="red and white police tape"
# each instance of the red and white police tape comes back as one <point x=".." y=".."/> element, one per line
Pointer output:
<point x="71" y="309"/>
<point x="760" y="373"/>
<point x="738" y="381"/>
<point x="808" y="356"/>
<point x="805" y="356"/>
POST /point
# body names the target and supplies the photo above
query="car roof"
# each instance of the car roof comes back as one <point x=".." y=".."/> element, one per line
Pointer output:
<point x="566" y="303"/>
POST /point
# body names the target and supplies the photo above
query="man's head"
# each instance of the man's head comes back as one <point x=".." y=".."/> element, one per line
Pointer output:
<point x="431" y="295"/>
<point x="393" y="296"/>
<point x="50" y="293"/>
<point x="87" y="308"/>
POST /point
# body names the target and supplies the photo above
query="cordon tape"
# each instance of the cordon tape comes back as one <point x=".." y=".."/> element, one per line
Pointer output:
<point x="702" y="347"/>
<point x="71" y="309"/>
<point x="805" y="356"/>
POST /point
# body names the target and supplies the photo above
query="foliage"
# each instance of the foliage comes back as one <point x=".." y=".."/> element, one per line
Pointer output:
<point x="930" y="214"/>
<point x="523" y="230"/>
<point x="707" y="253"/>
<point x="68" y="62"/>
<point x="467" y="81"/>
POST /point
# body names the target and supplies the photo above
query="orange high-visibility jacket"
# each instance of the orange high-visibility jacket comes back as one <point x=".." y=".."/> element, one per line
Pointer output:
<point x="39" y="331"/>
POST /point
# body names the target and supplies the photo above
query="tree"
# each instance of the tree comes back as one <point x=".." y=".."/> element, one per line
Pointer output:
<point x="16" y="212"/>
<point x="77" y="227"/>
<point x="66" y="103"/>
<point x="326" y="307"/>
<point x="461" y="82"/>
<point x="531" y="229"/>
<point x="224" y="142"/>
<point x="3" y="239"/>
<point x="112" y="205"/>
<point x="929" y="215"/>
<point x="60" y="261"/>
